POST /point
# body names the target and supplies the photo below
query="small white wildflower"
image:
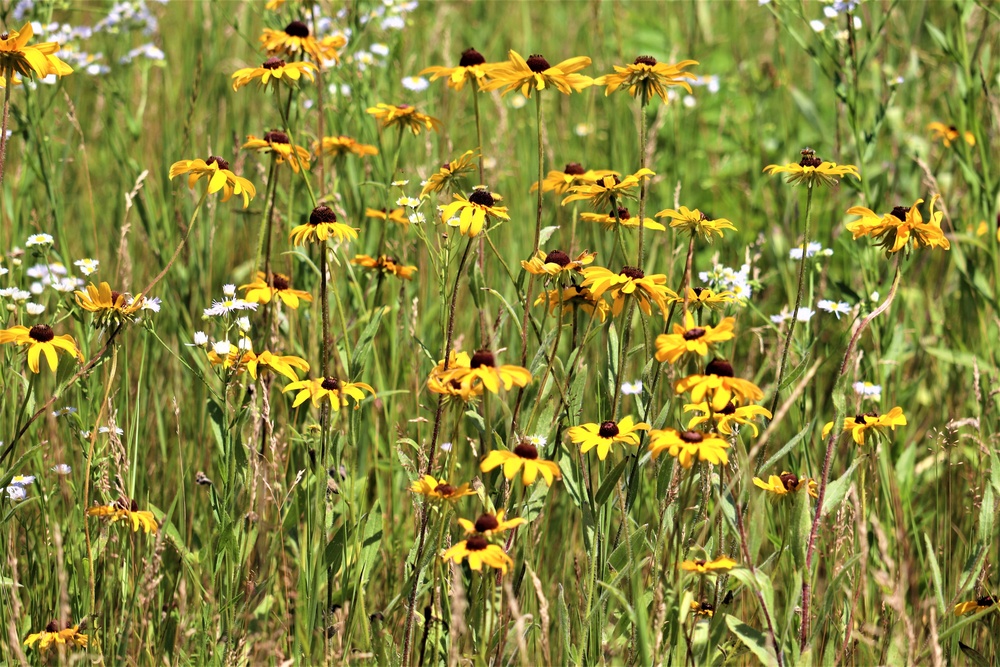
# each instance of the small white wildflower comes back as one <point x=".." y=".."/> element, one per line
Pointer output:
<point x="817" y="25"/>
<point x="243" y="323"/>
<point x="780" y="317"/>
<point x="66" y="285"/>
<point x="411" y="202"/>
<point x="417" y="218"/>
<point x="200" y="339"/>
<point x="632" y="388"/>
<point x="62" y="412"/>
<point x="16" y="493"/>
<point x="152" y="304"/>
<point x="446" y="446"/>
<point x="34" y="308"/>
<point x="20" y="295"/>
<point x="39" y="240"/>
<point x="417" y="84"/>
<point x="804" y="314"/>
<point x="399" y="184"/>
<point x="379" y="49"/>
<point x="3" y="271"/>
<point x="517" y="100"/>
<point x="874" y="296"/>
<point x="87" y="265"/>
<point x="229" y="289"/>
<point x="85" y="435"/>
<point x="61" y="469"/>
<point x="583" y="129"/>
<point x="689" y="101"/>
<point x="393" y="23"/>
<point x="537" y="440"/>
<point x="228" y="306"/>
<point x="838" y="308"/>
<point x="244" y="344"/>
<point x="222" y="348"/>
<point x="830" y="12"/>
<point x="22" y="480"/>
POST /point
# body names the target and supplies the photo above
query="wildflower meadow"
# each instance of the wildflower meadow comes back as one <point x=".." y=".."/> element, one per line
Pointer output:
<point x="402" y="332"/>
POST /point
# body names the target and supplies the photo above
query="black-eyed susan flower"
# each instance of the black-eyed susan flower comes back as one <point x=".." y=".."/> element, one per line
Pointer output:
<point x="859" y="425"/>
<point x="397" y="215"/>
<point x="949" y="133"/>
<point x="216" y="170"/>
<point x="981" y="603"/>
<point x="40" y="340"/>
<point x="321" y="226"/>
<point x="16" y="56"/>
<point x="811" y="170"/>
<point x="478" y="551"/>
<point x="262" y="290"/>
<point x="273" y="70"/>
<point x="490" y="524"/>
<point x="645" y="78"/>
<point x="442" y="381"/>
<point x="686" y="446"/>
<point x="535" y="73"/>
<point x="702" y="609"/>
<point x="572" y="174"/>
<point x="719" y="384"/>
<point x="404" y="115"/>
<point x="283" y="364"/>
<point x="607" y="192"/>
<point x="555" y="262"/>
<point x="450" y="174"/>
<point x="524" y="456"/>
<point x="277" y="142"/>
<point x="573" y="297"/>
<point x="630" y="282"/>
<point x="296" y="39"/>
<point x="786" y="483"/>
<point x="727" y="417"/>
<point x="688" y="338"/>
<point x="703" y="297"/>
<point x="110" y="308"/>
<point x="701" y="566"/>
<point x="227" y="356"/>
<point x="328" y="389"/>
<point x="897" y="228"/>
<point x="483" y="369"/>
<point x="55" y="635"/>
<point x="340" y="146"/>
<point x="472" y="66"/>
<point x="470" y="215"/>
<point x="604" y="435"/>
<point x="439" y="489"/>
<point x="623" y="219"/>
<point x="695" y="222"/>
<point x="386" y="265"/>
<point x="125" y="509"/>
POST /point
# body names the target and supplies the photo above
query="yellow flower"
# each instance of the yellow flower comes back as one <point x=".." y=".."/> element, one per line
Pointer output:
<point x="574" y="297"/>
<point x="719" y="384"/>
<point x="472" y="66"/>
<point x="330" y="389"/>
<point x="728" y="416"/>
<point x="277" y="142"/>
<point x="17" y="57"/>
<point x="436" y="489"/>
<point x="295" y="39"/>
<point x="279" y="364"/>
<point x="860" y="424"/>
<point x="720" y="564"/>
<point x="699" y="297"/>
<point x="396" y="215"/>
<point x="572" y="174"/>
<point x="53" y="635"/>
<point x="490" y="525"/>
<point x="483" y="369"/>
<point x="525" y="455"/>
<point x="696" y="222"/>
<point x="450" y="174"/>
<point x="216" y="170"/>
<point x="274" y="70"/>
<point x="949" y="133"/>
<point x="785" y="483"/>
<point x="442" y="381"/>
<point x="979" y="604"/>
<point x="630" y="282"/>
<point x="470" y="215"/>
<point x="40" y="340"/>
<point x="321" y="226"/>
<point x="702" y="609"/>
<point x="479" y="552"/>
<point x="123" y="508"/>
<point x="605" y="434"/>
<point x="606" y="192"/>
<point x="280" y="285"/>
<point x="895" y="229"/>
<point x="687" y="445"/>
<point x="812" y="171"/>
<point x="555" y="262"/>
<point x="535" y="73"/>
<point x="385" y="264"/>
<point x="645" y="78"/>
<point x="689" y="338"/>
<point x="111" y="309"/>
<point x="237" y="357"/>
<point x="624" y="218"/>
<point x="340" y="145"/>
<point x="404" y="115"/>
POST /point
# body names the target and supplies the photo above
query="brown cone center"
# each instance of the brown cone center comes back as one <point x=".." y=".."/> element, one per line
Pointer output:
<point x="608" y="429"/>
<point x="42" y="333"/>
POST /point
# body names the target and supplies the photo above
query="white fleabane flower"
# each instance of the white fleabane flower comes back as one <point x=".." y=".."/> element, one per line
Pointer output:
<point x="61" y="469"/>
<point x="537" y="440"/>
<point x="243" y="323"/>
<point x="632" y="388"/>
<point x="105" y="429"/>
<point x="399" y="184"/>
<point x="417" y="84"/>
<point x="244" y="344"/>
<point x="200" y="339"/>
<point x="229" y="289"/>
<point x="838" y="308"/>
<point x="34" y="308"/>
<point x="222" y="348"/>
<point x="812" y="249"/>
<point x="780" y="317"/>
<point x="227" y="306"/>
<point x="62" y="412"/>
<point x="87" y="265"/>
<point x="16" y="493"/>
<point x="20" y="295"/>
<point x="22" y="480"/>
<point x="151" y="304"/>
<point x="39" y="240"/>
<point x="379" y="49"/>
<point x="804" y="314"/>
<point x="3" y="271"/>
<point x="66" y="285"/>
<point x="417" y="218"/>
<point x="446" y="446"/>
<point x="393" y="23"/>
<point x="817" y="25"/>
<point x="874" y="296"/>
<point x="411" y="202"/>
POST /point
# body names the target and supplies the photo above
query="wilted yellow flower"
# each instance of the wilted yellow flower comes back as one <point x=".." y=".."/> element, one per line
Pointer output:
<point x="727" y="417"/>
<point x="110" y="308"/>
<point x="397" y="215"/>
<point x="385" y="264"/>
<point x="277" y="142"/>
<point x="441" y="381"/>
<point x="572" y="297"/>
<point x="216" y="170"/>
<point x="624" y="219"/>
<point x="450" y="174"/>
<point x="895" y="229"/>
<point x="341" y="145"/>
<point x="404" y="115"/>
<point x="125" y="509"/>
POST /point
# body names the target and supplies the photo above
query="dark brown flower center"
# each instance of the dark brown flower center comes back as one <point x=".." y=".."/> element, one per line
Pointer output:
<point x="297" y="29"/>
<point x="482" y="358"/>
<point x="279" y="281"/>
<point x="276" y="137"/>
<point x="706" y="608"/>
<point x="900" y="212"/>
<point x="476" y="543"/>
<point x="863" y="418"/>
<point x="5" y="35"/>
<point x="952" y="128"/>
<point x="790" y="481"/>
<point x="114" y="297"/>
<point x="216" y="160"/>
<point x="471" y="57"/>
<point x="623" y="213"/>
<point x="537" y="63"/>
<point x="41" y="333"/>
<point x="632" y="272"/>
<point x="809" y="158"/>
<point x="694" y="334"/>
<point x="487" y="522"/>
<point x="482" y="197"/>
<point x="557" y="257"/>
<point x="526" y="450"/>
<point x="986" y="601"/>
<point x="645" y="60"/>
<point x="273" y="63"/>
<point x="444" y="490"/>
<point x="728" y="410"/>
<point x="700" y="562"/>
<point x="321" y="215"/>
<point x="330" y="384"/>
<point x="692" y="436"/>
<point x="574" y="169"/>
<point x="719" y="367"/>
<point x="608" y="429"/>
<point x="697" y="290"/>
<point x="51" y="626"/>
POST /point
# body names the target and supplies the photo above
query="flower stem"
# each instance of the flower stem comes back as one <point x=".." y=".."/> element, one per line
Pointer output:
<point x="8" y="77"/>
<point x="642" y="181"/>
<point x="265" y="229"/>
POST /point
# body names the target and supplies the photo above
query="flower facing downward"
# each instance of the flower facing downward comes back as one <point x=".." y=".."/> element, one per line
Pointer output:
<point x="631" y="282"/>
<point x="811" y="170"/>
<point x="728" y="417"/>
<point x="280" y="285"/>
<point x="691" y="339"/>
<point x="478" y="550"/>
<point x="216" y="170"/>
<point x="386" y="265"/>
<point x="110" y="308"/>
<point x="696" y="222"/>
<point x="573" y="297"/>
<point x="979" y="604"/>
<point x="472" y="66"/>
<point x="435" y="489"/>
<point x="321" y="226"/>
<point x="450" y="174"/>
<point x="404" y="115"/>
<point x="859" y="425"/>
<point x="340" y="146"/>
<point x="572" y="174"/>
<point x="895" y="229"/>
<point x="786" y="483"/>
<point x="397" y="215"/>
<point x="125" y="509"/>
<point x="535" y="73"/>
<point x="329" y="389"/>
<point x="607" y="192"/>
<point x="273" y="70"/>
<point x="278" y="143"/>
<point x="40" y="340"/>
<point x="483" y="370"/>
<point x="949" y="133"/>
<point x="28" y="61"/>
<point x="555" y="262"/>
<point x="525" y="456"/>
<point x="720" y="564"/>
<point x="54" y="635"/>
<point x="622" y="218"/>
<point x="470" y="215"/>
<point x="296" y="39"/>
<point x="442" y="380"/>
<point x="686" y="446"/>
<point x="719" y="384"/>
<point x="645" y="78"/>
<point x="605" y="434"/>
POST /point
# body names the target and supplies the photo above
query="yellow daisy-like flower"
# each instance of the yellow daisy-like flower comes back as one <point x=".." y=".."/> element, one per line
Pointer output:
<point x="895" y="229"/>
<point x="128" y="510"/>
<point x="727" y="417"/>
<point x="720" y="564"/>
<point x="321" y="226"/>
<point x="687" y="445"/>
<point x="483" y="370"/>
<point x="237" y="356"/>
<point x="703" y="297"/>
<point x="645" y="78"/>
<point x="688" y="338"/>
<point x="472" y="66"/>
<point x="278" y="143"/>
<point x="52" y="635"/>
<point x="340" y="145"/>
<point x="607" y="192"/>
<point x="786" y="483"/>
<point x="397" y="215"/>
<point x="479" y="552"/>
<point x="435" y="489"/>
<point x="450" y="174"/>
<point x="861" y="424"/>
<point x="385" y="264"/>
<point x="490" y="525"/>
<point x="630" y="282"/>
<point x="605" y="434"/>
<point x="524" y="455"/>
<point x="572" y="297"/>
<point x="262" y="290"/>
<point x="572" y="174"/>
<point x="38" y="59"/>
<point x="555" y="262"/>
<point x="470" y="215"/>
<point x="111" y="309"/>
<point x="330" y="389"/>
<point x="273" y="70"/>
<point x="719" y="384"/>
<point x="404" y="115"/>
<point x="296" y="39"/>
<point x="702" y="609"/>
<point x="40" y="340"/>
<point x="624" y="219"/>
<point x="535" y="73"/>
<point x="279" y="364"/>
<point x="696" y="222"/>
<point x="949" y="133"/>
<point x="443" y="381"/>
<point x="216" y="170"/>
<point x="813" y="171"/>
<point x="979" y="604"/>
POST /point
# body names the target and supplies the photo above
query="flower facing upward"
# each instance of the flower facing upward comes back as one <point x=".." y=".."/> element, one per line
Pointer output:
<point x="280" y="285"/>
<point x="630" y="282"/>
<point x="53" y="635"/>
<point x="687" y="445"/>
<point x="623" y="219"/>
<point x="435" y="489"/>
<point x="38" y="59"/>
<point x="111" y="309"/>
<point x="40" y="340"/>
<point x="478" y="550"/>
<point x="397" y="215"/>
<point x="813" y="171"/>
<point x="979" y="604"/>
<point x="696" y="222"/>
<point x="470" y="215"/>
<point x="786" y="483"/>
<point x="490" y="525"/>
<point x="329" y="389"/>
<point x="483" y="370"/>
<point x="573" y="297"/>
<point x="404" y="115"/>
<point x="949" y="133"/>
<point x="535" y="73"/>
<point x="555" y="262"/>
<point x="450" y="174"/>
<point x="645" y="78"/>
<point x="472" y="66"/>
<point x="727" y="417"/>
<point x="720" y="564"/>
<point x="719" y="384"/>
<point x="340" y="145"/>
<point x="296" y="39"/>
<point x="216" y="170"/>
<point x="125" y="509"/>
<point x="607" y="192"/>
<point x="691" y="339"/>
<point x="605" y="434"/>
<point x="894" y="230"/>
<point x="321" y="226"/>
<point x="274" y="70"/>
<point x="385" y="265"/>
<point x="525" y="456"/>
<point x="859" y="425"/>
<point x="278" y="143"/>
<point x="572" y="174"/>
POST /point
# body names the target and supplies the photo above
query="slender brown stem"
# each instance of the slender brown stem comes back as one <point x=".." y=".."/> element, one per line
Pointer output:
<point x="642" y="181"/>
<point x="8" y="75"/>
<point x="686" y="283"/>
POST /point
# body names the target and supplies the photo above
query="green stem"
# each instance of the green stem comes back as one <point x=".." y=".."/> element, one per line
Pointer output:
<point x="642" y="181"/>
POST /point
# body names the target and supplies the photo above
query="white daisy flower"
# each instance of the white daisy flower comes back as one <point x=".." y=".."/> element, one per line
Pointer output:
<point x="34" y="308"/>
<point x="39" y="240"/>
<point x="632" y="388"/>
<point x="87" y="265"/>
<point x="838" y="308"/>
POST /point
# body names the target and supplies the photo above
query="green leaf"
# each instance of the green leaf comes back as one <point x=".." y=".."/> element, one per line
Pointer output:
<point x="796" y="439"/>
<point x="371" y="541"/>
<point x="754" y="640"/>
<point x="837" y="489"/>
<point x="608" y="485"/>
<point x="333" y="555"/>
<point x="801" y="527"/>
<point x="514" y="318"/>
<point x="974" y="656"/>
<point x="363" y="347"/>
<point x="935" y="573"/>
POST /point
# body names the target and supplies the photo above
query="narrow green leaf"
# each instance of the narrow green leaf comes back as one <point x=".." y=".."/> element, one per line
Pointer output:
<point x="935" y="573"/>
<point x="754" y="640"/>
<point x="608" y="485"/>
